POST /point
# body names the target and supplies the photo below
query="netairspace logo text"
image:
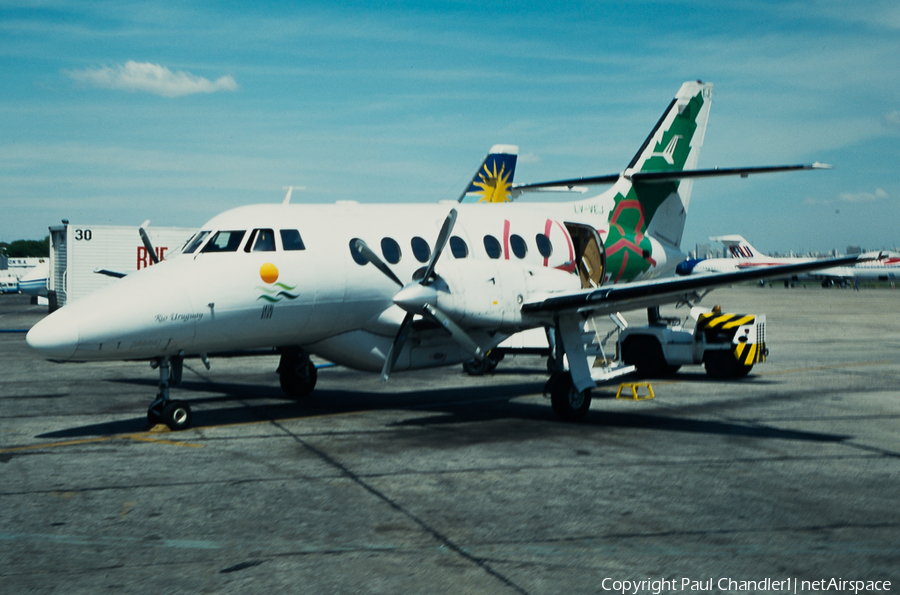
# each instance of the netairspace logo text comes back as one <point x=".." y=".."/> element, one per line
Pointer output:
<point x="787" y="585"/>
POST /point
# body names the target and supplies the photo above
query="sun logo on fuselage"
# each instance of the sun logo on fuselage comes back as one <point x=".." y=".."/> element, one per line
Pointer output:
<point x="494" y="185"/>
<point x="268" y="272"/>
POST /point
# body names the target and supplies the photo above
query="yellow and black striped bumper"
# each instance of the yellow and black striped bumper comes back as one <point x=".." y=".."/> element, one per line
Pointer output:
<point x="750" y="353"/>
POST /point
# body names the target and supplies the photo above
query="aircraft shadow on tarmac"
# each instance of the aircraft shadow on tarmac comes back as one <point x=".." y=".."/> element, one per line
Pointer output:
<point x="462" y="405"/>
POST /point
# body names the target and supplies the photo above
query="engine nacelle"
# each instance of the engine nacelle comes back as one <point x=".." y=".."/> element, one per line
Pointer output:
<point x="489" y="294"/>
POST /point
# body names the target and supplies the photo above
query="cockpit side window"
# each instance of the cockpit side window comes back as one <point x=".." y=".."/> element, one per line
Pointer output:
<point x="195" y="242"/>
<point x="225" y="241"/>
<point x="291" y="240"/>
<point x="262" y="240"/>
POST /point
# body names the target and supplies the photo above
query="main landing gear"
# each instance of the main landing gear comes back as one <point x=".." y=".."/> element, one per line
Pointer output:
<point x="296" y="373"/>
<point x="175" y="414"/>
<point x="568" y="403"/>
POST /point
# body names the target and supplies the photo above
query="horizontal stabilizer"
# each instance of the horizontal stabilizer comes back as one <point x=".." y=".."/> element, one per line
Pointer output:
<point x="666" y="176"/>
<point x="663" y="176"/>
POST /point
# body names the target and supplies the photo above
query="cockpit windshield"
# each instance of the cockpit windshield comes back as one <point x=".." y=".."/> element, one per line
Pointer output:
<point x="194" y="243"/>
<point x="224" y="241"/>
<point x="261" y="240"/>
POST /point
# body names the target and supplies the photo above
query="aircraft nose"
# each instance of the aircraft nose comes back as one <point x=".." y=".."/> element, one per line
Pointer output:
<point x="54" y="337"/>
<point x="686" y="267"/>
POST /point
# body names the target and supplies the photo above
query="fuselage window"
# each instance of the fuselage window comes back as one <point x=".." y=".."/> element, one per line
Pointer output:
<point x="357" y="257"/>
<point x="391" y="250"/>
<point x="261" y="240"/>
<point x="225" y="241"/>
<point x="291" y="240"/>
<point x="420" y="249"/>
<point x="458" y="247"/>
<point x="518" y="245"/>
<point x="492" y="246"/>
<point x="543" y="245"/>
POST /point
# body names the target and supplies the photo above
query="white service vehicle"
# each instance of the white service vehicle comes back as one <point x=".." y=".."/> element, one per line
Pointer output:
<point x="728" y="345"/>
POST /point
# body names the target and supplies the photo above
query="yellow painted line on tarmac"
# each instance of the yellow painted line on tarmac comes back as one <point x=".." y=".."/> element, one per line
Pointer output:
<point x="140" y="437"/>
<point x="145" y="438"/>
<point x="162" y="429"/>
<point x="55" y="444"/>
<point x="286" y="419"/>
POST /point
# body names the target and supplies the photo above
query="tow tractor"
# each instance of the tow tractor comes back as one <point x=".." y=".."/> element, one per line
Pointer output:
<point x="728" y="345"/>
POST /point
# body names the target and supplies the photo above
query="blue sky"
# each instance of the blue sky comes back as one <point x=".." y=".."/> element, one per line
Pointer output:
<point x="118" y="112"/>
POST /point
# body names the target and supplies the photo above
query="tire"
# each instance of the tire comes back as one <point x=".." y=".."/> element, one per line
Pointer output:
<point x="568" y="404"/>
<point x="724" y="366"/>
<point x="297" y="376"/>
<point x="479" y="368"/>
<point x="646" y="354"/>
<point x="177" y="415"/>
<point x="154" y="416"/>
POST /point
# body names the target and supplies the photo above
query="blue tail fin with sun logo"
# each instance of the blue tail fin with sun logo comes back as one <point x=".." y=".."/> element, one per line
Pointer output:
<point x="493" y="180"/>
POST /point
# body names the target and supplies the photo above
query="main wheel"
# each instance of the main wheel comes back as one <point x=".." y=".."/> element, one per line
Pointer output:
<point x="568" y="403"/>
<point x="646" y="354"/>
<point x="177" y="415"/>
<point x="479" y="368"/>
<point x="723" y="365"/>
<point x="154" y="416"/>
<point x="297" y="375"/>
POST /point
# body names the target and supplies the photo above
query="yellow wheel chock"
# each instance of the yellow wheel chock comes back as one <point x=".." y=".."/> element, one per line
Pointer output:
<point x="634" y="386"/>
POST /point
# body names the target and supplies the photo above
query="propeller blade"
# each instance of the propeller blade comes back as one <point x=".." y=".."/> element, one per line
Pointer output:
<point x="370" y="256"/>
<point x="458" y="334"/>
<point x="442" y="238"/>
<point x="147" y="245"/>
<point x="396" y="347"/>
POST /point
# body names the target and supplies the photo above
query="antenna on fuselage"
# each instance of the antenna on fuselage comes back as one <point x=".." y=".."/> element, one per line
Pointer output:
<point x="290" y="190"/>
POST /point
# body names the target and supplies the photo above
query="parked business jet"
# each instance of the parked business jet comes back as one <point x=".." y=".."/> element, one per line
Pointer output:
<point x="875" y="266"/>
<point x="34" y="282"/>
<point x="401" y="287"/>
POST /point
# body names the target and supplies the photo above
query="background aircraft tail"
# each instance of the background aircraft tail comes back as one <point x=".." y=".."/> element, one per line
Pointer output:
<point x="493" y="180"/>
<point x="738" y="247"/>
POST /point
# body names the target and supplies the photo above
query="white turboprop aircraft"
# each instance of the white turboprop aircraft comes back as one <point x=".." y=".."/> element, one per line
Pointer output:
<point x="875" y="266"/>
<point x="368" y="286"/>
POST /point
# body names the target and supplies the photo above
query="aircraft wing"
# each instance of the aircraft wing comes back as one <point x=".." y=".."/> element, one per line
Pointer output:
<point x="646" y="294"/>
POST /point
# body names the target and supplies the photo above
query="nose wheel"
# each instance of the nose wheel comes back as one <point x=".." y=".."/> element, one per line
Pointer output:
<point x="174" y="413"/>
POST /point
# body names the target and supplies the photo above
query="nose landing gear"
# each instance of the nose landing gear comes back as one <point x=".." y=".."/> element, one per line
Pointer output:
<point x="175" y="414"/>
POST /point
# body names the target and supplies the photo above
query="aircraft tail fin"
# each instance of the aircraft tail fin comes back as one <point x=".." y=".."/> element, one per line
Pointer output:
<point x="494" y="178"/>
<point x="672" y="146"/>
<point x="655" y="207"/>
<point x="738" y="247"/>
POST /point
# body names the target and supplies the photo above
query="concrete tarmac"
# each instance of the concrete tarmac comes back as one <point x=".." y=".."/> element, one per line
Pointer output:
<point x="442" y="483"/>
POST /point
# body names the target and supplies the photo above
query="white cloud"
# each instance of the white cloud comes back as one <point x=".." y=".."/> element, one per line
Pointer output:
<point x="879" y="194"/>
<point x="848" y="197"/>
<point x="893" y="119"/>
<point x="151" y="78"/>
